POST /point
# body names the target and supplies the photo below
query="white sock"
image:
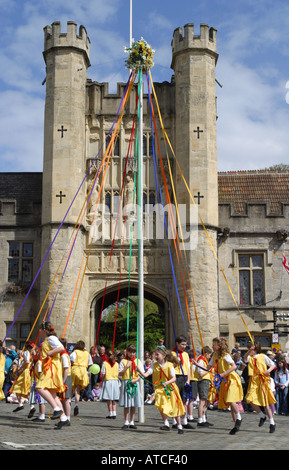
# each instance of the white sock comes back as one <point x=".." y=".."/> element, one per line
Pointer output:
<point x="126" y="423"/>
<point x="204" y="419"/>
<point x="200" y="420"/>
<point x="262" y="415"/>
<point x="238" y="416"/>
<point x="63" y="418"/>
<point x="271" y="421"/>
<point x="41" y="416"/>
<point x="131" y="423"/>
<point x="166" y="423"/>
<point x="56" y="408"/>
<point x="174" y="421"/>
<point x="180" y="426"/>
<point x="113" y="413"/>
<point x="185" y="421"/>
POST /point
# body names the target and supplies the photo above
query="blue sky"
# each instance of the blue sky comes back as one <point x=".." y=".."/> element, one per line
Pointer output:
<point x="253" y="46"/>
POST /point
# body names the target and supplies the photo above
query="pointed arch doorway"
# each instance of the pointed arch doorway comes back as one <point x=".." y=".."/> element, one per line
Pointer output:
<point x="111" y="325"/>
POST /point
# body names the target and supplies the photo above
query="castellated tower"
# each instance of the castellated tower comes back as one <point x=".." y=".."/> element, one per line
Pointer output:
<point x="194" y="58"/>
<point x="67" y="58"/>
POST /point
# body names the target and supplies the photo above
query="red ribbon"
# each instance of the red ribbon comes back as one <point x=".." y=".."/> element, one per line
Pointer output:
<point x="111" y="364"/>
<point x="133" y="364"/>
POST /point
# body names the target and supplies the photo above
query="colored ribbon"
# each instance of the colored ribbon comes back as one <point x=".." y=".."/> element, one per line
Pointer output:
<point x="168" y="389"/>
<point x="160" y="199"/>
<point x="217" y="380"/>
<point x="131" y="388"/>
<point x="214" y="251"/>
<point x="187" y="395"/>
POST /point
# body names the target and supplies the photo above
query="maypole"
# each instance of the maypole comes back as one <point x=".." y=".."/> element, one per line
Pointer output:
<point x="140" y="60"/>
<point x="140" y="241"/>
<point x="130" y="23"/>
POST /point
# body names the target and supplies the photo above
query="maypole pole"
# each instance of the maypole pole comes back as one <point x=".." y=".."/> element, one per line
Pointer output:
<point x="130" y="23"/>
<point x="140" y="60"/>
<point x="140" y="241"/>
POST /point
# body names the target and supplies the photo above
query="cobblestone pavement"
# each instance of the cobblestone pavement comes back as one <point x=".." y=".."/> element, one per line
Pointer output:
<point x="90" y="430"/>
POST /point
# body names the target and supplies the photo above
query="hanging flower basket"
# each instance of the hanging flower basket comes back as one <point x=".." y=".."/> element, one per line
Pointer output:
<point x="140" y="56"/>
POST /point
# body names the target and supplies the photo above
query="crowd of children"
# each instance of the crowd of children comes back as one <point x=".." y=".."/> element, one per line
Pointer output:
<point x="174" y="381"/>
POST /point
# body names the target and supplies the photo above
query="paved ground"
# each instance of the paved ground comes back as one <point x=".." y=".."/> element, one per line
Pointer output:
<point x="90" y="430"/>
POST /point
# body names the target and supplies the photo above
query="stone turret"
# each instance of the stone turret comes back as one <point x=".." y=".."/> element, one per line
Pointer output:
<point x="54" y="38"/>
<point x="66" y="57"/>
<point x="207" y="39"/>
<point x="194" y="58"/>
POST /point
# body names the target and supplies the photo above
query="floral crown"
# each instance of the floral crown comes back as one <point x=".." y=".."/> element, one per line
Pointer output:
<point x="161" y="348"/>
<point x="140" y="55"/>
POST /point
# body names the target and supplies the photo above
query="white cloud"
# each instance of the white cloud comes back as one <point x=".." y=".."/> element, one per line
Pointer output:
<point x="253" y="121"/>
<point x="157" y="22"/>
<point x="89" y="12"/>
<point x="21" y="138"/>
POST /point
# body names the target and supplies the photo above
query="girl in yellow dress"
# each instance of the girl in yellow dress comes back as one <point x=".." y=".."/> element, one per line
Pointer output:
<point x="65" y="397"/>
<point x="231" y="391"/>
<point x="167" y="397"/>
<point x="80" y="361"/>
<point x="34" y="397"/>
<point x="212" y="397"/>
<point x="259" y="391"/>
<point x="22" y="385"/>
<point x="2" y="372"/>
<point x="110" y="387"/>
<point x="130" y="394"/>
<point x="50" y="381"/>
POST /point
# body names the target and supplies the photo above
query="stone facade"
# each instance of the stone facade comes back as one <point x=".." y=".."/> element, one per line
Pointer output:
<point x="20" y="222"/>
<point x="253" y="219"/>
<point x="78" y="116"/>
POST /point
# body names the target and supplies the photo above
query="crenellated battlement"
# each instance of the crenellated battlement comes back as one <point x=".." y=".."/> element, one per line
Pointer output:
<point x="183" y="40"/>
<point x="54" y="38"/>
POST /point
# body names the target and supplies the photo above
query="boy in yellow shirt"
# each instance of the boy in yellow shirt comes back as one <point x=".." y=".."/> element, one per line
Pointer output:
<point x="183" y="372"/>
<point x="204" y="381"/>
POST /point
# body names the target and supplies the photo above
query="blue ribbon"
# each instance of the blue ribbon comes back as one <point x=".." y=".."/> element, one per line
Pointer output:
<point x="218" y="380"/>
<point x="187" y="395"/>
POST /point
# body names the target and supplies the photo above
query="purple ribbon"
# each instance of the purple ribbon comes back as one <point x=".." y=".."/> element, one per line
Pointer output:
<point x="37" y="396"/>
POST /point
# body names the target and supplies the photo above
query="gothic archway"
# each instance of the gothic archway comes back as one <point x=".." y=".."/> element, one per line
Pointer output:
<point x="155" y="321"/>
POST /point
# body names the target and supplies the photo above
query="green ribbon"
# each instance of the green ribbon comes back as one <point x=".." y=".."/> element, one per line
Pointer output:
<point x="168" y="389"/>
<point x="131" y="389"/>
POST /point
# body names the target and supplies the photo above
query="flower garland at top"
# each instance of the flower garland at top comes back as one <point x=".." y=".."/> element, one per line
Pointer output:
<point x="140" y="55"/>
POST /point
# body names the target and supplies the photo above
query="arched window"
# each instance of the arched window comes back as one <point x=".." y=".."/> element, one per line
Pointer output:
<point x="107" y="202"/>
